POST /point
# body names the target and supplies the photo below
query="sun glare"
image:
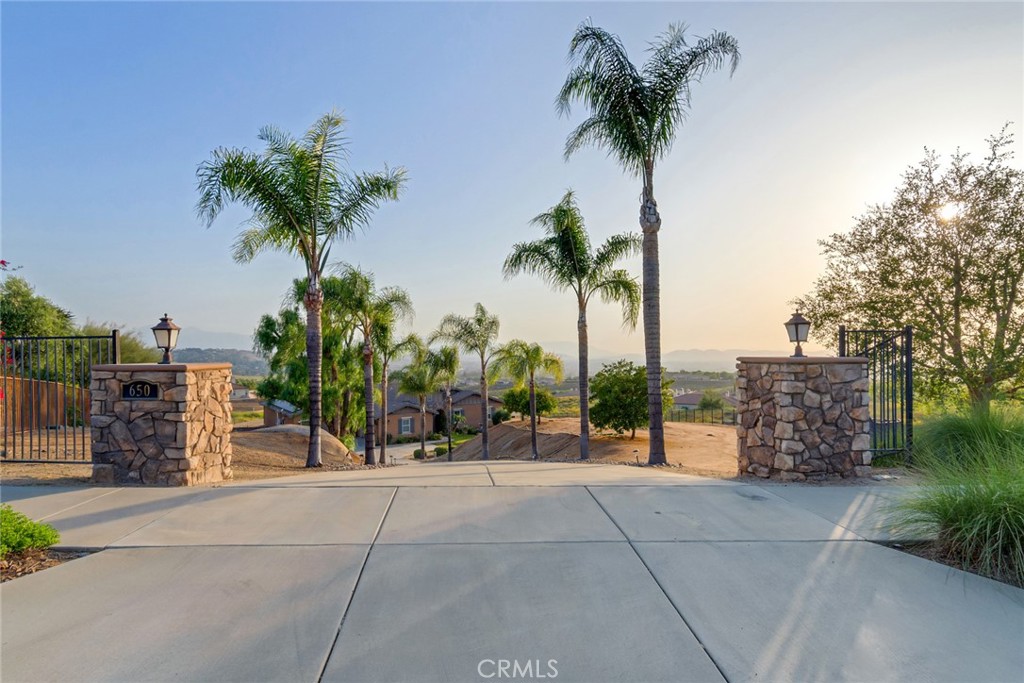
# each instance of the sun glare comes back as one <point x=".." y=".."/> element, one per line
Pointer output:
<point x="949" y="211"/>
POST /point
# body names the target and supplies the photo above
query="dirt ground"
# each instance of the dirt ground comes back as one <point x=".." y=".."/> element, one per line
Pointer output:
<point x="256" y="454"/>
<point x="707" y="450"/>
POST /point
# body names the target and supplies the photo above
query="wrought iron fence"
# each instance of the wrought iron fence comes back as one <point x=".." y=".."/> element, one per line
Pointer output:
<point x="44" y="396"/>
<point x="890" y="385"/>
<point x="719" y="416"/>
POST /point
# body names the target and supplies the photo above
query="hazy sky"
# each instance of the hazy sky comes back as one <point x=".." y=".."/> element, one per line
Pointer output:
<point x="107" y="109"/>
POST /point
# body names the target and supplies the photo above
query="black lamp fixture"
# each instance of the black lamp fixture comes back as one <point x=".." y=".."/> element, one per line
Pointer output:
<point x="798" y="326"/>
<point x="166" y="333"/>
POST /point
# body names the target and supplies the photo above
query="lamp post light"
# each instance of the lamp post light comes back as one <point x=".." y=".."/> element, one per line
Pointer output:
<point x="797" y="327"/>
<point x="166" y="333"/>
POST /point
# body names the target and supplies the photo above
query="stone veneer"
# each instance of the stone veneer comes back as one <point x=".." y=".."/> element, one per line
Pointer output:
<point x="803" y="418"/>
<point x="182" y="438"/>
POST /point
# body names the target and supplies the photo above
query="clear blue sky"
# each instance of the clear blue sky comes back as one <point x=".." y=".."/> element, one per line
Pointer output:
<point x="107" y="109"/>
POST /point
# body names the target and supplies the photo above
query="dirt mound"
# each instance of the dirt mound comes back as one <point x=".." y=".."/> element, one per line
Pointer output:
<point x="511" y="440"/>
<point x="271" y="453"/>
<point x="708" y="450"/>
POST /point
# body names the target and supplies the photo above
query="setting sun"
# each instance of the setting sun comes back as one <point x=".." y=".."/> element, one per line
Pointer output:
<point x="949" y="211"/>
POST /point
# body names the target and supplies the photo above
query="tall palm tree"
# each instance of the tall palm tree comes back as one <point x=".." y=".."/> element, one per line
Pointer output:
<point x="371" y="308"/>
<point x="565" y="260"/>
<point x="635" y="115"/>
<point x="419" y="379"/>
<point x="445" y="365"/>
<point x="387" y="350"/>
<point x="475" y="334"/>
<point x="301" y="201"/>
<point x="340" y="357"/>
<point x="523" y="361"/>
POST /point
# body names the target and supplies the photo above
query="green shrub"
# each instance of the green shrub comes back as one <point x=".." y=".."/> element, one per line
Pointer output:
<point x="350" y="441"/>
<point x="418" y="454"/>
<point x="18" y="532"/>
<point x="974" y="504"/>
<point x="441" y="450"/>
<point x="499" y="416"/>
<point x="953" y="436"/>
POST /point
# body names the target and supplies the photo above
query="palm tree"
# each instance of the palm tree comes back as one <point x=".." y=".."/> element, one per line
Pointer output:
<point x="371" y="308"/>
<point x="523" y="361"/>
<point x="301" y="202"/>
<point x="564" y="259"/>
<point x="340" y="355"/>
<point x="634" y="115"/>
<point x="388" y="349"/>
<point x="474" y="334"/>
<point x="419" y="379"/>
<point x="445" y="364"/>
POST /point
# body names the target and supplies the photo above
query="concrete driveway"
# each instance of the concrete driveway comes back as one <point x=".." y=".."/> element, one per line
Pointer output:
<point x="474" y="572"/>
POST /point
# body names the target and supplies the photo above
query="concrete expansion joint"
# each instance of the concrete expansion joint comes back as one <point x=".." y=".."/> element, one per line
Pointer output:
<point x="84" y="502"/>
<point x="355" y="586"/>
<point x="654" y="578"/>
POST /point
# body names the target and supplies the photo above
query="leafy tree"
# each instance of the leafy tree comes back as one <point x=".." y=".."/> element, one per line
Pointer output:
<point x="517" y="400"/>
<point x="282" y="341"/>
<point x="635" y="115"/>
<point x="302" y="202"/>
<point x="133" y="349"/>
<point x="369" y="308"/>
<point x="23" y="313"/>
<point x="619" y="393"/>
<point x="946" y="256"/>
<point x="566" y="261"/>
<point x="444" y="364"/>
<point x="523" y="361"/>
<point x="475" y="334"/>
<point x="711" y="399"/>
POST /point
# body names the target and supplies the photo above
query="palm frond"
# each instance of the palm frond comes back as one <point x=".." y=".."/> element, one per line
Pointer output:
<point x="670" y="71"/>
<point x="615" y="248"/>
<point x="622" y="288"/>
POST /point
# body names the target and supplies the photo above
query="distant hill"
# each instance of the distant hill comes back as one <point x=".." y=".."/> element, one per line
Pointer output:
<point x="243" y="362"/>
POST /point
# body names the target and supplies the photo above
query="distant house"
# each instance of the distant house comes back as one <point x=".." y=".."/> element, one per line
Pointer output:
<point x="240" y="392"/>
<point x="691" y="401"/>
<point x="688" y="401"/>
<point x="403" y="417"/>
<point x="279" y="412"/>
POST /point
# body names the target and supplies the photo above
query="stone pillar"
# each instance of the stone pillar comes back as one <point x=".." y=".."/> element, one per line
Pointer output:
<point x="166" y="425"/>
<point x="801" y="418"/>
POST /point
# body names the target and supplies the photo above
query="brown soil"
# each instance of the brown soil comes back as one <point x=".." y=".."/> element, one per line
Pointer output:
<point x="33" y="560"/>
<point x="708" y="450"/>
<point x="255" y="455"/>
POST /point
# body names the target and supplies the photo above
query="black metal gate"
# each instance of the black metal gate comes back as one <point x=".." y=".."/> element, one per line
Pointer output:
<point x="890" y="385"/>
<point x="44" y="411"/>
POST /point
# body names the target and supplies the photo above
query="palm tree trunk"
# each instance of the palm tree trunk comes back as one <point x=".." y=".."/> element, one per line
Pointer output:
<point x="584" y="353"/>
<point x="384" y="414"/>
<point x="483" y="406"/>
<point x="533" y="418"/>
<point x="423" y="426"/>
<point x="314" y="355"/>
<point x="368" y="432"/>
<point x="448" y="399"/>
<point x="650" y="223"/>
